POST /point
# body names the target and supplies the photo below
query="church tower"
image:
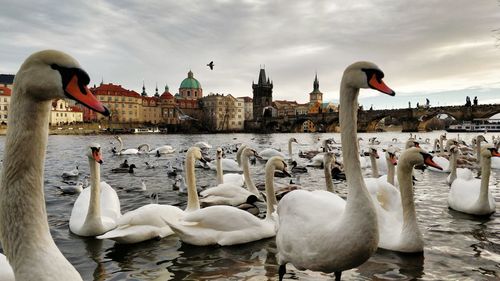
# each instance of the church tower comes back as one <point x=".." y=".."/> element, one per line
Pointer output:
<point x="144" y="94"/>
<point x="315" y="96"/>
<point x="262" y="95"/>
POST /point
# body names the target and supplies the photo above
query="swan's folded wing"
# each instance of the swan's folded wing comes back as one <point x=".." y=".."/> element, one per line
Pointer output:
<point x="311" y="206"/>
<point x="151" y="214"/>
<point x="221" y="218"/>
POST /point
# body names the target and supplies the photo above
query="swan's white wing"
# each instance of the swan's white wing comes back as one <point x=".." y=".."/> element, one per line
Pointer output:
<point x="270" y="152"/>
<point x="129" y="151"/>
<point x="464" y="195"/>
<point x="79" y="211"/>
<point x="230" y="165"/>
<point x="222" y="225"/>
<point x="236" y="179"/>
<point x="6" y="273"/>
<point x="110" y="206"/>
<point x="304" y="218"/>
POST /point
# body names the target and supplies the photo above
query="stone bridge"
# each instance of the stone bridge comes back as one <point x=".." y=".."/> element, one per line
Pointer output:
<point x="411" y="119"/>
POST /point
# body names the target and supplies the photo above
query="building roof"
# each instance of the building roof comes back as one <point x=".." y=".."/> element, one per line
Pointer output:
<point x="190" y="82"/>
<point x="5" y="91"/>
<point x="7" y="79"/>
<point x="246" y="99"/>
<point x="113" y="90"/>
<point x="166" y="96"/>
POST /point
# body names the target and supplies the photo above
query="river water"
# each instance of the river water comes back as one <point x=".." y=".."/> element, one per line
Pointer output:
<point x="458" y="246"/>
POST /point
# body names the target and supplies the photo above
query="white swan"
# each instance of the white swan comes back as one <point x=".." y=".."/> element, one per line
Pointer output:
<point x="271" y="152"/>
<point x="224" y="164"/>
<point x="397" y="220"/>
<point x="473" y="196"/>
<point x="6" y="273"/>
<point x="148" y="222"/>
<point x="25" y="234"/>
<point x="97" y="208"/>
<point x="343" y="237"/>
<point x="227" y="225"/>
<point x="122" y="151"/>
<point x="164" y="149"/>
<point x="232" y="193"/>
<point x="463" y="173"/>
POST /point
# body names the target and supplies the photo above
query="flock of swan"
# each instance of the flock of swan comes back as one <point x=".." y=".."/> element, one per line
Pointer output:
<point x="317" y="230"/>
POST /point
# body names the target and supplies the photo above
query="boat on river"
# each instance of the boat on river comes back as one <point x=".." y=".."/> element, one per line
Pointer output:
<point x="146" y="130"/>
<point x="482" y="125"/>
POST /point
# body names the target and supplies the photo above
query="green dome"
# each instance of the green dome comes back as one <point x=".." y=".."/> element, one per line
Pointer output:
<point x="190" y="82"/>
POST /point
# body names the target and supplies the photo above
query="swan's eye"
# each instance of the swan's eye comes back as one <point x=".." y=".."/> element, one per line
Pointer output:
<point x="95" y="149"/>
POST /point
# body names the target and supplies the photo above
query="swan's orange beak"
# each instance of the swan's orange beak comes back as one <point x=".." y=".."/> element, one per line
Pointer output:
<point x="96" y="154"/>
<point x="379" y="85"/>
<point x="82" y="94"/>
<point x="494" y="152"/>
<point x="429" y="162"/>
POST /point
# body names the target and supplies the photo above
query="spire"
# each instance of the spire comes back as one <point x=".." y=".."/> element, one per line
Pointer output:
<point x="190" y="74"/>
<point x="262" y="77"/>
<point x="156" y="92"/>
<point x="144" y="94"/>
<point x="316" y="84"/>
<point x="166" y="88"/>
<point x="102" y="80"/>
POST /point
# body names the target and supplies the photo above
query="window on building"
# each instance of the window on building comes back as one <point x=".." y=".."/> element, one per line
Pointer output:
<point x="188" y="93"/>
<point x="239" y="122"/>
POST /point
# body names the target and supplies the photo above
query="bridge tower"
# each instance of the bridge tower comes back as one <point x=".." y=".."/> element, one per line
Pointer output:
<point x="262" y="95"/>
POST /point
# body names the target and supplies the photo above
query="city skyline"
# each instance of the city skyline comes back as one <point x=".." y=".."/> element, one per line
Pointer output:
<point x="441" y="50"/>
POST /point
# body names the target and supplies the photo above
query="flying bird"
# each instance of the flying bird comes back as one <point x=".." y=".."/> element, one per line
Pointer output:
<point x="211" y="65"/>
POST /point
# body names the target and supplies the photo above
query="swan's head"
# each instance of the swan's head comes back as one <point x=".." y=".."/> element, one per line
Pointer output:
<point x="365" y="74"/>
<point x="454" y="149"/>
<point x="416" y="156"/>
<point x="489" y="151"/>
<point x="278" y="163"/>
<point x="219" y="153"/>
<point x="412" y="143"/>
<point x="390" y="154"/>
<point x="249" y="152"/>
<point x="481" y="138"/>
<point x="451" y="142"/>
<point x="194" y="152"/>
<point x="442" y="137"/>
<point x="52" y="74"/>
<point x="94" y="152"/>
<point x="293" y="140"/>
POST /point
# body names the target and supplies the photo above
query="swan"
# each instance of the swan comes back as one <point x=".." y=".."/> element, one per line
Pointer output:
<point x="225" y="164"/>
<point x="164" y="149"/>
<point x="97" y="208"/>
<point x="397" y="220"/>
<point x="455" y="172"/>
<point x="473" y="196"/>
<point x="25" y="234"/>
<point x="71" y="174"/>
<point x="71" y="188"/>
<point x="122" y="151"/>
<point x="232" y="193"/>
<point x="203" y="145"/>
<point x="345" y="232"/>
<point x="148" y="222"/>
<point x="271" y="152"/>
<point x="227" y="225"/>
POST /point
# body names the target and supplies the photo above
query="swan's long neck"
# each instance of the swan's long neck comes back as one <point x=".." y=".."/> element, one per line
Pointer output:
<point x="93" y="218"/>
<point x="246" y="175"/>
<point x="193" y="203"/>
<point x="121" y="144"/>
<point x="485" y="181"/>
<point x="373" y="161"/>
<point x="23" y="217"/>
<point x="441" y="148"/>
<point x="453" y="166"/>
<point x="328" y="175"/>
<point x="435" y="145"/>
<point x="271" y="196"/>
<point x="290" y="155"/>
<point x="478" y="151"/>
<point x="220" y="177"/>
<point x="390" y="171"/>
<point x="410" y="226"/>
<point x="359" y="202"/>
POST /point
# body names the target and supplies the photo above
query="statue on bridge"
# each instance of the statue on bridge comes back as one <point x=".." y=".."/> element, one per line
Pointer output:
<point x="467" y="101"/>
<point x="475" y="100"/>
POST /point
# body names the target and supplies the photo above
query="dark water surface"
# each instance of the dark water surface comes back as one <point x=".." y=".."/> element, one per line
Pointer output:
<point x="458" y="246"/>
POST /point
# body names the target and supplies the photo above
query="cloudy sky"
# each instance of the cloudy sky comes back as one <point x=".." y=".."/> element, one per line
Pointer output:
<point x="439" y="49"/>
